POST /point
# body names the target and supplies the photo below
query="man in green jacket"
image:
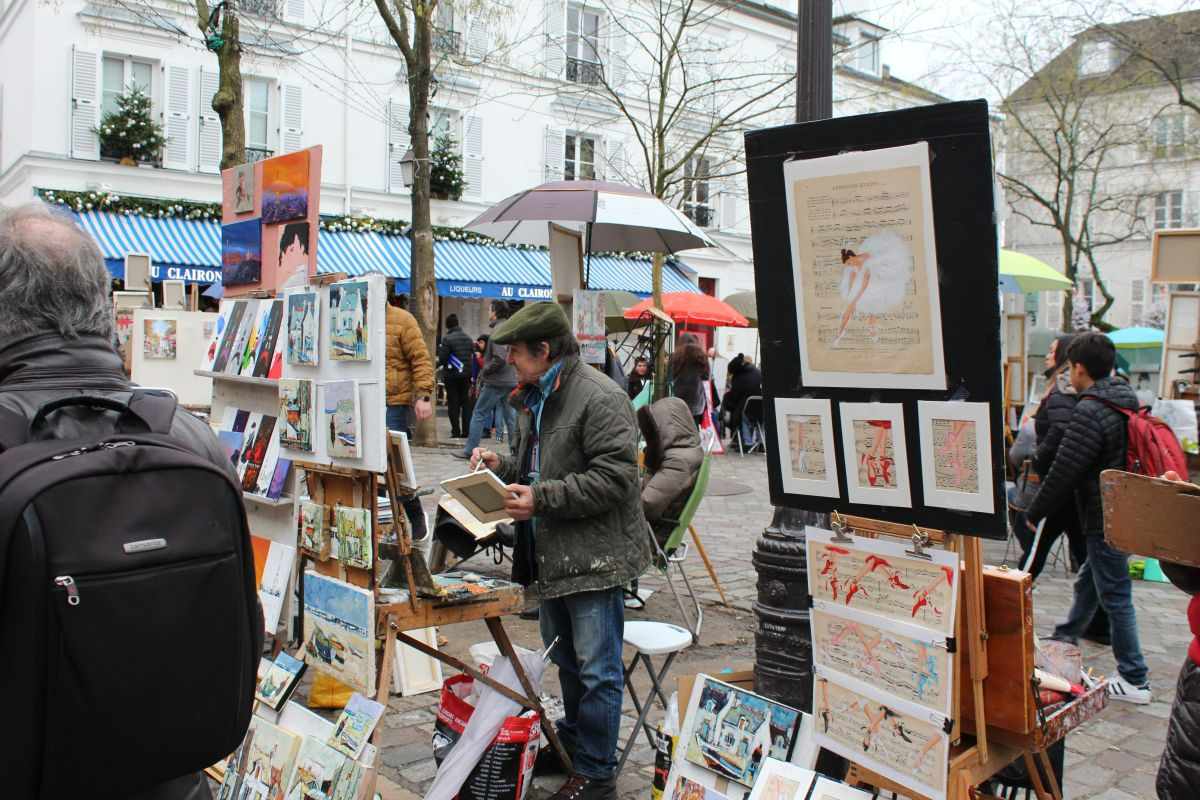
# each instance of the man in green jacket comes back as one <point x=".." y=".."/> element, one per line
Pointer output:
<point x="573" y="484"/>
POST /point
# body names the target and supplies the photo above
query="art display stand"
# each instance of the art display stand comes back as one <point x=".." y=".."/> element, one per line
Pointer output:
<point x="980" y="748"/>
<point x="267" y="518"/>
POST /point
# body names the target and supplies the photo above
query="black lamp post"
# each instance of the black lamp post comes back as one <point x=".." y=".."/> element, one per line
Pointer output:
<point x="783" y="643"/>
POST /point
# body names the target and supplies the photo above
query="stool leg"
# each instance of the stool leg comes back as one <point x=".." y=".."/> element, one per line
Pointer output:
<point x="644" y="710"/>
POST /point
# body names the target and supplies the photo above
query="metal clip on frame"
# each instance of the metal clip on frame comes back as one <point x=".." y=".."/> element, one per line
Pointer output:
<point x="842" y="533"/>
<point x="920" y="540"/>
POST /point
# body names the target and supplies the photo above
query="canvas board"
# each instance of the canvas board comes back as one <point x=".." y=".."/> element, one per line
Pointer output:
<point x="1175" y="256"/>
<point x="279" y="681"/>
<point x="341" y="417"/>
<point x="318" y="767"/>
<point x="339" y="617"/>
<point x="875" y="731"/>
<point x="349" y="333"/>
<point x="865" y="269"/>
<point x="304" y="328"/>
<point x="879" y="577"/>
<point x="806" y="446"/>
<point x="875" y="453"/>
<point x="826" y="789"/>
<point x="1183" y="320"/>
<point x="174" y="294"/>
<point x="276" y="578"/>
<point x="243" y="189"/>
<point x="414" y="672"/>
<point x="481" y="493"/>
<point x="298" y="719"/>
<point x="480" y="530"/>
<point x="370" y="377"/>
<point x="408" y="470"/>
<point x="271" y="755"/>
<point x="161" y="370"/>
<point x="297" y="414"/>
<point x="779" y="780"/>
<point x="137" y="272"/>
<point x="587" y="318"/>
<point x="354" y="531"/>
<point x="314" y="536"/>
<point x="902" y="660"/>
<point x="725" y="725"/>
<point x="355" y="725"/>
<point x="956" y="467"/>
<point x="685" y="788"/>
<point x="132" y="299"/>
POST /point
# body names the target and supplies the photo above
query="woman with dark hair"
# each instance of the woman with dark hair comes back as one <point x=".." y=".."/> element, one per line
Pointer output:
<point x="638" y="378"/>
<point x="1050" y="423"/>
<point x="689" y="370"/>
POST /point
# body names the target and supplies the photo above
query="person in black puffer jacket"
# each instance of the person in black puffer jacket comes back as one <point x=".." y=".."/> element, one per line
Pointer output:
<point x="456" y="375"/>
<point x="745" y="380"/>
<point x="1179" y="768"/>
<point x="1095" y="440"/>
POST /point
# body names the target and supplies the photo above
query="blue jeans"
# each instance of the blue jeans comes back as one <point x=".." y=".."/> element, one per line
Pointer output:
<point x="1103" y="581"/>
<point x="491" y="399"/>
<point x="398" y="420"/>
<point x="588" y="656"/>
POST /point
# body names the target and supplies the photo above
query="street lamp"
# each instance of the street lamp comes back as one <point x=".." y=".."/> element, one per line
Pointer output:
<point x="408" y="168"/>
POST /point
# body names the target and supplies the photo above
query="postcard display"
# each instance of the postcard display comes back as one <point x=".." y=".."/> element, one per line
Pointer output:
<point x="884" y="395"/>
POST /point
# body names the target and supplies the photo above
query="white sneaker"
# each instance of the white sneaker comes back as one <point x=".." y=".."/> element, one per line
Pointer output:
<point x="1120" y="689"/>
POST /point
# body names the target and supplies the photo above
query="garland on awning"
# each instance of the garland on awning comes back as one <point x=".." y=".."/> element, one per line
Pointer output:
<point x="113" y="203"/>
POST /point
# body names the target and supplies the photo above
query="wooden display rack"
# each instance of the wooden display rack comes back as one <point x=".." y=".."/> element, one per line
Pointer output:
<point x="980" y="747"/>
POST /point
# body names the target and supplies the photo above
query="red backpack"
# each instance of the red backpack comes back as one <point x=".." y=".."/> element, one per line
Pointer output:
<point x="1152" y="447"/>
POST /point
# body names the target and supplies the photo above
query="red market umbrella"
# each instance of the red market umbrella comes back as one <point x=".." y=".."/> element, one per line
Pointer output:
<point x="694" y="309"/>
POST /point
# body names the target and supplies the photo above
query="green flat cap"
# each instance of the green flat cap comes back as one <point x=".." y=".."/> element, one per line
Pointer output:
<point x="533" y="323"/>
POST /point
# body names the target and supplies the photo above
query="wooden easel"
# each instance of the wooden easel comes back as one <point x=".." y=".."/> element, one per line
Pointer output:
<point x="976" y="758"/>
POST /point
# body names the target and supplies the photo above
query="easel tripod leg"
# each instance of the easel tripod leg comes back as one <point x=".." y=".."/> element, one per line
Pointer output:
<point x="712" y="573"/>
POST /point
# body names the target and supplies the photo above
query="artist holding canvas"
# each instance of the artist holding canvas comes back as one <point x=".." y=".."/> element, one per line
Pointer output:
<point x="573" y="484"/>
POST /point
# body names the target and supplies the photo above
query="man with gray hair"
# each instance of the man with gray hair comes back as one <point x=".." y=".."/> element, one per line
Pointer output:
<point x="56" y="342"/>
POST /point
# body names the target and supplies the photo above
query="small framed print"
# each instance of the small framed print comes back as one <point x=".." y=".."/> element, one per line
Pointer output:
<point x="875" y="453"/>
<point x="956" y="449"/>
<point x="806" y="454"/>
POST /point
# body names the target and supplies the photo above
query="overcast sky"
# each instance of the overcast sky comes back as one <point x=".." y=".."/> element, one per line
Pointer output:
<point x="929" y="34"/>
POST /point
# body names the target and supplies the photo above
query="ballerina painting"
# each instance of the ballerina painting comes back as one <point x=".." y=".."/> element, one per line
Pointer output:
<point x="875" y="280"/>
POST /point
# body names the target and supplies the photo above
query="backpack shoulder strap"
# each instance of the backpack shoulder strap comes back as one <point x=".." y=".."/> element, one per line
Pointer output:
<point x="156" y="409"/>
<point x="14" y="429"/>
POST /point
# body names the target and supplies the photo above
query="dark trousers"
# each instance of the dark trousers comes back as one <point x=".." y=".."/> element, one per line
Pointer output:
<point x="398" y="420"/>
<point x="457" y="405"/>
<point x="1062" y="522"/>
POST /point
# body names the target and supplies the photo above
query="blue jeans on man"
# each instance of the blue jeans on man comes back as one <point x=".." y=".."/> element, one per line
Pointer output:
<point x="589" y="627"/>
<point x="491" y="398"/>
<point x="398" y="419"/>
<point x="1103" y="581"/>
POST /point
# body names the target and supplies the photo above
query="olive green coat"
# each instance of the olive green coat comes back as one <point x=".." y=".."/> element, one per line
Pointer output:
<point x="590" y="531"/>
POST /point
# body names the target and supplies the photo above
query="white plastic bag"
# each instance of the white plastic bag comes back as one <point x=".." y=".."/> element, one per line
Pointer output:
<point x="490" y="712"/>
<point x="1181" y="416"/>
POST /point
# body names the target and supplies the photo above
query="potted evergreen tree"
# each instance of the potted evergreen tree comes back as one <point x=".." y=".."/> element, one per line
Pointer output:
<point x="129" y="134"/>
<point x="446" y="181"/>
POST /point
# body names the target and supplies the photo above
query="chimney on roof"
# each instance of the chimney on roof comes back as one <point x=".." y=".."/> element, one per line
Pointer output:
<point x="886" y="72"/>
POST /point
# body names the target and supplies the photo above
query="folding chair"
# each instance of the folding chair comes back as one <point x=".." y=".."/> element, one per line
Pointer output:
<point x="675" y="551"/>
<point x="755" y="401"/>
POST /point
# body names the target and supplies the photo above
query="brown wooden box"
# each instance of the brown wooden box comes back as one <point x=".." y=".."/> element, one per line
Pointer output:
<point x="1151" y="517"/>
<point x="1008" y="619"/>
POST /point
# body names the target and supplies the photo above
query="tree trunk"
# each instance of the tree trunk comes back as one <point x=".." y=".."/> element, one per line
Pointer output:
<point x="660" y="358"/>
<point x="424" y="285"/>
<point x="227" y="102"/>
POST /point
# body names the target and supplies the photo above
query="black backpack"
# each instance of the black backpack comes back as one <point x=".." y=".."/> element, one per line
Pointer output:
<point x="128" y="615"/>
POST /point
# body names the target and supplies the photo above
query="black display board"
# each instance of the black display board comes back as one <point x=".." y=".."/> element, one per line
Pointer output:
<point x="962" y="185"/>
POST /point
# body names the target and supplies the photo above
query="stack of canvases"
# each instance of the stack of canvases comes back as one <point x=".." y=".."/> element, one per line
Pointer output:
<point x="289" y="753"/>
<point x="252" y="447"/>
<point x="733" y="739"/>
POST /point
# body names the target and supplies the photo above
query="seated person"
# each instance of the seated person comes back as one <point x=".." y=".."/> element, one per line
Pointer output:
<point x="745" y="380"/>
<point x="673" y="459"/>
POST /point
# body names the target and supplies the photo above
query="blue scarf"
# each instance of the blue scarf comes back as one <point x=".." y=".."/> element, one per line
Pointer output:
<point x="535" y="400"/>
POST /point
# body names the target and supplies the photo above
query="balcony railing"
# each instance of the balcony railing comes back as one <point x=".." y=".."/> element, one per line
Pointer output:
<point x="254" y="154"/>
<point x="446" y="41"/>
<point x="260" y="8"/>
<point x="588" y="72"/>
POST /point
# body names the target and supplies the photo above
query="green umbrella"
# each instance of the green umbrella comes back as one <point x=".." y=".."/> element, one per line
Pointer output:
<point x="746" y="305"/>
<point x="1023" y="274"/>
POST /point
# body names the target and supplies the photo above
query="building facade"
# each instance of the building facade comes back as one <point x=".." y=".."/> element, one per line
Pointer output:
<point x="509" y="80"/>
<point x="1147" y="177"/>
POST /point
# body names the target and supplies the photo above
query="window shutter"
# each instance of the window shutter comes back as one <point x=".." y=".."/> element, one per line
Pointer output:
<point x="177" y="110"/>
<point x="291" y="137"/>
<point x="209" y="136"/>
<point x="85" y="104"/>
<point x="1191" y="209"/>
<point x="477" y="37"/>
<point x="730" y="209"/>
<point x="618" y="55"/>
<point x="1054" y="302"/>
<point x="473" y="156"/>
<point x="293" y="11"/>
<point x="617" y="164"/>
<point x="1137" y="301"/>
<point x="555" y="152"/>
<point x="556" y="29"/>
<point x="398" y="142"/>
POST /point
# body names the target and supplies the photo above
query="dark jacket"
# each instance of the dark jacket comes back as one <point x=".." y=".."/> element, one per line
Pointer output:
<point x="673" y="459"/>
<point x="497" y="372"/>
<point x="461" y="346"/>
<point x="687" y="383"/>
<point x="1051" y="421"/>
<point x="1179" y="768"/>
<point x="745" y="380"/>
<point x="1093" y="441"/>
<point x="590" y="531"/>
<point x="42" y="368"/>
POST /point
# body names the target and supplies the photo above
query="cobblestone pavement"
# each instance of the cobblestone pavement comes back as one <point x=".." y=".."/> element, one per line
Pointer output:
<point x="1112" y="758"/>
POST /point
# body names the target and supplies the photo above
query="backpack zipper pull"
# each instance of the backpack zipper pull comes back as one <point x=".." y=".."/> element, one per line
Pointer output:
<point x="68" y="583"/>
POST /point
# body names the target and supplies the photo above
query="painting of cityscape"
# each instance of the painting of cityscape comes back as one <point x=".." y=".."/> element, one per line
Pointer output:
<point x="304" y="310"/>
<point x="348" y="331"/>
<point x="159" y="341"/>
<point x="285" y="188"/>
<point x="730" y="731"/>
<point x="339" y="621"/>
<point x="342" y="417"/>
<point x="241" y="253"/>
<point x="354" y="536"/>
<point x="296" y="411"/>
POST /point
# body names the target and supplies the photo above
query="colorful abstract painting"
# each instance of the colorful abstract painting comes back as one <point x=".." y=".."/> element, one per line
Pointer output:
<point x="285" y="187"/>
